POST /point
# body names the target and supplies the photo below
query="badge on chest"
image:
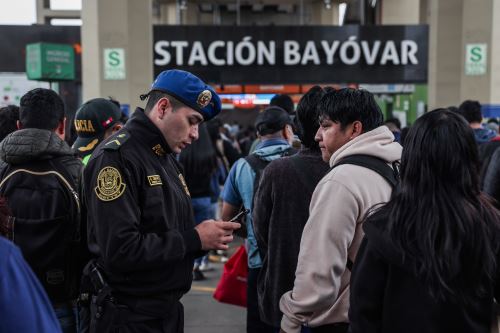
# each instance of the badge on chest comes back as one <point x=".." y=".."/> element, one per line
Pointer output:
<point x="154" y="180"/>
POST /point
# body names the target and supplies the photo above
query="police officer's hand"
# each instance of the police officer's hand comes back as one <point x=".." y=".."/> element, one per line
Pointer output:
<point x="215" y="235"/>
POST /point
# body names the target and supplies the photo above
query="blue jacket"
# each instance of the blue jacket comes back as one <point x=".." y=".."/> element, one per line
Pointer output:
<point x="24" y="306"/>
<point x="238" y="189"/>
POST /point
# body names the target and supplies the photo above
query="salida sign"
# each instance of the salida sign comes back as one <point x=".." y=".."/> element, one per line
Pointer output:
<point x="225" y="55"/>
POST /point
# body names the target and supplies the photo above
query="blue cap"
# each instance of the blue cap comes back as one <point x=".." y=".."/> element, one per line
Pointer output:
<point x="189" y="90"/>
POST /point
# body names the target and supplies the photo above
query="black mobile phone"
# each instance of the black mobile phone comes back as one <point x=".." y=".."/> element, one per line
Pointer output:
<point x="240" y="215"/>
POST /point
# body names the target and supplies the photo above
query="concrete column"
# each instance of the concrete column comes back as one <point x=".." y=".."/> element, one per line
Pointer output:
<point x="453" y="25"/>
<point x="400" y="12"/>
<point x="476" y="28"/>
<point x="125" y="24"/>
<point x="494" y="55"/>
<point x="320" y="15"/>
<point x="445" y="52"/>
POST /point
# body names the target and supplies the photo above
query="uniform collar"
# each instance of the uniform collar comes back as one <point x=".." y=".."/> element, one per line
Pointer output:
<point x="139" y="124"/>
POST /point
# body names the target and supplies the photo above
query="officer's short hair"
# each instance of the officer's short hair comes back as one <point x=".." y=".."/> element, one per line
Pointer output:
<point x="41" y="108"/>
<point x="155" y="95"/>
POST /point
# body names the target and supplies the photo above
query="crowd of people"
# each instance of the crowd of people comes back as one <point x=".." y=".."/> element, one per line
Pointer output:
<point x="354" y="224"/>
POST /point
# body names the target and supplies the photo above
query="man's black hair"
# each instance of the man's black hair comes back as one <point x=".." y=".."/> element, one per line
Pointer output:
<point x="283" y="101"/>
<point x="41" y="108"/>
<point x="155" y="95"/>
<point x="306" y="120"/>
<point x="348" y="105"/>
<point x="9" y="115"/>
<point x="471" y="110"/>
<point x="394" y="121"/>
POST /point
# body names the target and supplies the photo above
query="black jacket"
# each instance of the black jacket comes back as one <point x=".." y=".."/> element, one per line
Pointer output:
<point x="140" y="218"/>
<point x="387" y="297"/>
<point x="31" y="145"/>
<point x="281" y="210"/>
<point x="43" y="150"/>
<point x="491" y="176"/>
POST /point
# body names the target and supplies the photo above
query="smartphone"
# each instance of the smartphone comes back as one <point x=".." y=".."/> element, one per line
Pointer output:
<point x="240" y="215"/>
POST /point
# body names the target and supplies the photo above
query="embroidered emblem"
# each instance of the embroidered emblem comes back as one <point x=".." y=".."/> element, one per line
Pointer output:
<point x="183" y="182"/>
<point x="109" y="184"/>
<point x="154" y="180"/>
<point x="114" y="141"/>
<point x="158" y="149"/>
<point x="204" y="98"/>
<point x="90" y="146"/>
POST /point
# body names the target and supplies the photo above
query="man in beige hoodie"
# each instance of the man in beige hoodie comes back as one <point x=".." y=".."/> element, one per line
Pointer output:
<point x="350" y="123"/>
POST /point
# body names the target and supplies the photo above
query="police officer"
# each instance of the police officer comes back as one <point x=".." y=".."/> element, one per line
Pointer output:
<point x="141" y="226"/>
<point x="96" y="120"/>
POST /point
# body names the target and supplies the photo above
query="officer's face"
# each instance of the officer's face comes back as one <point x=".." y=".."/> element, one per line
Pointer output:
<point x="180" y="127"/>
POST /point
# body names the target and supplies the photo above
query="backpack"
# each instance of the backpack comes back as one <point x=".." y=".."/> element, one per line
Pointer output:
<point x="45" y="223"/>
<point x="257" y="164"/>
<point x="391" y="175"/>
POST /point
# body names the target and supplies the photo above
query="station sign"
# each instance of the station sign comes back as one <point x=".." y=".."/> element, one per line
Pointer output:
<point x="475" y="59"/>
<point x="50" y="62"/>
<point x="294" y="54"/>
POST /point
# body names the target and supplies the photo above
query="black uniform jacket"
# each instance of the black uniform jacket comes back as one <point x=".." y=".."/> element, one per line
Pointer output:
<point x="140" y="218"/>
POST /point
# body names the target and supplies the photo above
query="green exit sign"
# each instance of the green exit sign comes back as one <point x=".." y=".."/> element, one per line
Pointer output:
<point x="50" y="62"/>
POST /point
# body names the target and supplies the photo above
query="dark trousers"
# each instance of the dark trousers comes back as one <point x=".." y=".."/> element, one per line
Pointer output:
<point x="125" y="321"/>
<point x="254" y="323"/>
<point x="331" y="328"/>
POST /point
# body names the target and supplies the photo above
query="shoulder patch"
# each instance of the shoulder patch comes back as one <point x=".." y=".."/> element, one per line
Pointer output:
<point x="117" y="141"/>
<point x="110" y="185"/>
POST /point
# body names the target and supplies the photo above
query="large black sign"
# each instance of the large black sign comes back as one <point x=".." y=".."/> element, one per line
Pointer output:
<point x="301" y="54"/>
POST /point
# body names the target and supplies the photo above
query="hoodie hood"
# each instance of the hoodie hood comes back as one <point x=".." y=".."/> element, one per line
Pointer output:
<point x="484" y="134"/>
<point x="378" y="142"/>
<point x="32" y="144"/>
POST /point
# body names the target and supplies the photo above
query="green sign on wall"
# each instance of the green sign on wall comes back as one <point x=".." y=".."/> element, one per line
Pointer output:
<point x="50" y="62"/>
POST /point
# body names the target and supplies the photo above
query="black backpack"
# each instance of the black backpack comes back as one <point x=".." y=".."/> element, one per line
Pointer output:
<point x="45" y="223"/>
<point x="391" y="175"/>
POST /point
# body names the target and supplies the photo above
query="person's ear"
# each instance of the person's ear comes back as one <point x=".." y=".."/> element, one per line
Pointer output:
<point x="163" y="107"/>
<point x="116" y="127"/>
<point x="61" y="128"/>
<point x="357" y="129"/>
<point x="18" y="125"/>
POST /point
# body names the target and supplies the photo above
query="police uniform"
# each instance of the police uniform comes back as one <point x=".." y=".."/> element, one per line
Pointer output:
<point x="141" y="225"/>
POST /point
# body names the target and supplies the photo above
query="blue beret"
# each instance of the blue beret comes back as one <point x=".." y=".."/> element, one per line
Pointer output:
<point x="189" y="90"/>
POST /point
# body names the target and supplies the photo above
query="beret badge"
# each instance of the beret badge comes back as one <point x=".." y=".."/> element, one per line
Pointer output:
<point x="204" y="98"/>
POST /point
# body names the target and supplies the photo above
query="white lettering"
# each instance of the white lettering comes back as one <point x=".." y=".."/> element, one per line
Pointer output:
<point x="211" y="53"/>
<point x="292" y="55"/>
<point x="310" y="53"/>
<point x="356" y="52"/>
<point x="390" y="54"/>
<point x="330" y="50"/>
<point x="239" y="52"/>
<point x="179" y="54"/>
<point x="160" y="49"/>
<point x="268" y="53"/>
<point x="197" y="54"/>
<point x="370" y="57"/>
<point x="408" y="51"/>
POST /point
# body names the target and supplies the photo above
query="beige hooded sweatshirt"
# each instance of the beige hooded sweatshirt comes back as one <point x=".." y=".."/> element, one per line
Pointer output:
<point x="333" y="232"/>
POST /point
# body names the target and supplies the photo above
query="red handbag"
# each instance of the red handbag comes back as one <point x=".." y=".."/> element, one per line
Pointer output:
<point x="232" y="287"/>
